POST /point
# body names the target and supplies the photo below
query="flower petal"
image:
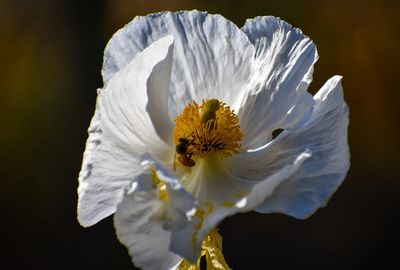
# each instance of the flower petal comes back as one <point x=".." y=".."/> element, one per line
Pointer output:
<point x="187" y="235"/>
<point x="212" y="59"/>
<point x="158" y="95"/>
<point x="326" y="136"/>
<point x="181" y="208"/>
<point x="133" y="96"/>
<point x="151" y="225"/>
<point x="138" y="227"/>
<point x="106" y="170"/>
<point x="213" y="184"/>
<point x="121" y="130"/>
<point x="278" y="96"/>
<point x="247" y="202"/>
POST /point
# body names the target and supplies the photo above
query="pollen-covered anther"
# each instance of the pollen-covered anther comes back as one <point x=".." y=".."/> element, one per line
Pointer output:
<point x="207" y="129"/>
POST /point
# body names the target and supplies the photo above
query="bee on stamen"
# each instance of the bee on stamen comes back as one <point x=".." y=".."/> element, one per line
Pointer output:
<point x="184" y="157"/>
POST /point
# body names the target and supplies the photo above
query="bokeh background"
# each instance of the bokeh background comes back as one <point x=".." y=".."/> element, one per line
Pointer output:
<point x="50" y="62"/>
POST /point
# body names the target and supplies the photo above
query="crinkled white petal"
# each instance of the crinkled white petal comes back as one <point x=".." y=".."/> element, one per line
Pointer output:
<point x="106" y="170"/>
<point x="253" y="197"/>
<point x="325" y="135"/>
<point x="212" y="57"/>
<point x="158" y="94"/>
<point x="211" y="183"/>
<point x="277" y="96"/>
<point x="140" y="223"/>
<point x="140" y="229"/>
<point x="155" y="229"/>
<point x="182" y="205"/>
<point x="131" y="103"/>
<point x="128" y="121"/>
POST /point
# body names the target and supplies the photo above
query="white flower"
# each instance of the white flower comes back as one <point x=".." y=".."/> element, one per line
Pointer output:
<point x="182" y="133"/>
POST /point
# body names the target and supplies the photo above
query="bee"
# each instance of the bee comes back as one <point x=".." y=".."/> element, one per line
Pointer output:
<point x="209" y="114"/>
<point x="183" y="156"/>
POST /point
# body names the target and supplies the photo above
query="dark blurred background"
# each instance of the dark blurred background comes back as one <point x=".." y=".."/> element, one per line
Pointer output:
<point x="51" y="57"/>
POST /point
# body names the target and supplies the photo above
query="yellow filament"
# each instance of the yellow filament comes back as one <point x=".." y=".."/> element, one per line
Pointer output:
<point x="160" y="185"/>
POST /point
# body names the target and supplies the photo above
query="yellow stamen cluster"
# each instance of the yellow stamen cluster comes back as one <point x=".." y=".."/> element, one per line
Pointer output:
<point x="207" y="129"/>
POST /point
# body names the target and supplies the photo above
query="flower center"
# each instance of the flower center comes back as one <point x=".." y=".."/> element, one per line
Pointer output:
<point x="208" y="129"/>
